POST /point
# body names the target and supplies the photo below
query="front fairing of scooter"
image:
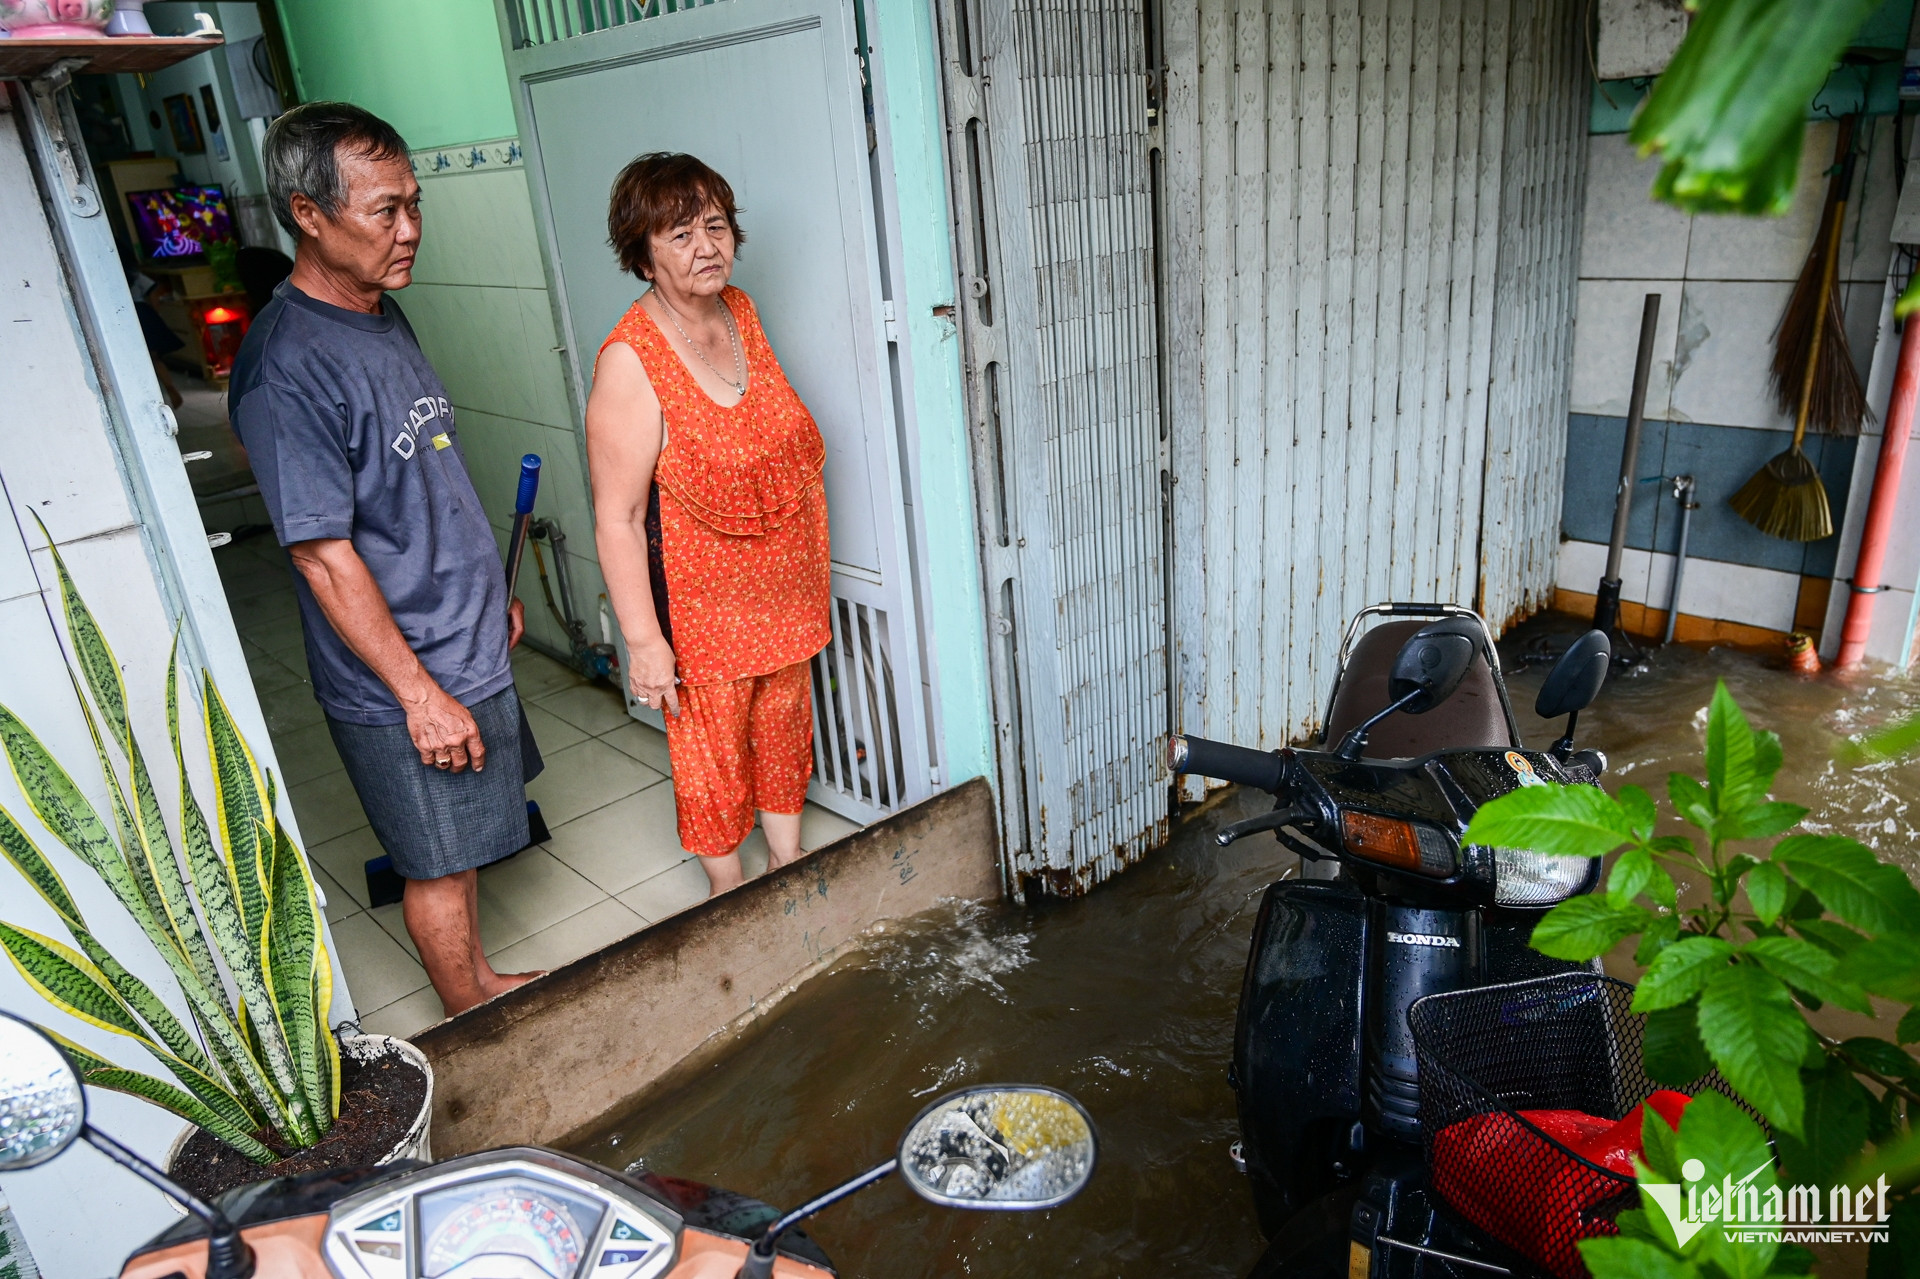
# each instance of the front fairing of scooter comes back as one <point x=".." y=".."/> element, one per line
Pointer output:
<point x="279" y="1214"/>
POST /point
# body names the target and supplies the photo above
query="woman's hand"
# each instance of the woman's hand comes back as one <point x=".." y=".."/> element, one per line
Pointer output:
<point x="650" y="675"/>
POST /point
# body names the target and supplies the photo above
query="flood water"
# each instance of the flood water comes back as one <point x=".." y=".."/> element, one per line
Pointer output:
<point x="1126" y="999"/>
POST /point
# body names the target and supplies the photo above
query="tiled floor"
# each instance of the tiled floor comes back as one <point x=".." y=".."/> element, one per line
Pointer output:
<point x="613" y="865"/>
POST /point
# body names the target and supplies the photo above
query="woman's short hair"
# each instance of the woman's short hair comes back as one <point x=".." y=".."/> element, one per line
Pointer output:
<point x="302" y="154"/>
<point x="659" y="191"/>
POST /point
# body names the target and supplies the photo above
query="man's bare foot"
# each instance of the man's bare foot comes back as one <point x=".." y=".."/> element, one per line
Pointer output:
<point x="501" y="983"/>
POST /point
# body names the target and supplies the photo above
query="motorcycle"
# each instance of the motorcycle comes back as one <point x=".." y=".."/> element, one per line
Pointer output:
<point x="530" y="1213"/>
<point x="1391" y="906"/>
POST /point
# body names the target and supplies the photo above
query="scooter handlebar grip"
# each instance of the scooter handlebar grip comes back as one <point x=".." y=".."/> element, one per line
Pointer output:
<point x="1225" y="761"/>
<point x="529" y="484"/>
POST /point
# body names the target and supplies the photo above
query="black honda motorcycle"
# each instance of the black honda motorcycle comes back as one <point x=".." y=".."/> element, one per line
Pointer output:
<point x="1392" y="905"/>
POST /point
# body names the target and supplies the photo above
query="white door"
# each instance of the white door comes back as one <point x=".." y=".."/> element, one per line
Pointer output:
<point x="769" y="93"/>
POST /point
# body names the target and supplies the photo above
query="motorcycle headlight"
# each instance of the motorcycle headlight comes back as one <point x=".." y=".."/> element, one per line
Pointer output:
<point x="1522" y="877"/>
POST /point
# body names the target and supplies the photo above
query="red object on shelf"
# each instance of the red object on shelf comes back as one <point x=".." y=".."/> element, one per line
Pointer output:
<point x="221" y="325"/>
<point x="1521" y="1183"/>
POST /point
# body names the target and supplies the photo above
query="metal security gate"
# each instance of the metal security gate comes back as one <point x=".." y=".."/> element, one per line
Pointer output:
<point x="770" y="93"/>
<point x="1370" y="310"/>
<point x="1048" y="129"/>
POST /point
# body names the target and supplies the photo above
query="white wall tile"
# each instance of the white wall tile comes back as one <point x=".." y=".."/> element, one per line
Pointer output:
<point x="1866" y="246"/>
<point x="1627" y="235"/>
<point x="478" y="230"/>
<point x="1606" y="339"/>
<point x="1729" y="246"/>
<point x="1711" y="588"/>
<point x="1720" y="359"/>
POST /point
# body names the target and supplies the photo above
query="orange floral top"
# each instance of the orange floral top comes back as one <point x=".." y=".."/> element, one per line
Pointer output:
<point x="737" y="521"/>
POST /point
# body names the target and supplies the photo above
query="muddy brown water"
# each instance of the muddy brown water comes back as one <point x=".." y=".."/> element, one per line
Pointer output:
<point x="1126" y="999"/>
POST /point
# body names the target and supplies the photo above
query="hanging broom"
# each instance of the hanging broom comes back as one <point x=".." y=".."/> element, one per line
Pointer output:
<point x="1785" y="498"/>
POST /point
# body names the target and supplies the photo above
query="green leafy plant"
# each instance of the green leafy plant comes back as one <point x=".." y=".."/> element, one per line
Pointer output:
<point x="254" y="1063"/>
<point x="1728" y="114"/>
<point x="1761" y="938"/>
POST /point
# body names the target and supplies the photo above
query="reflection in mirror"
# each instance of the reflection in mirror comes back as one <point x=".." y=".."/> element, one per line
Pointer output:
<point x="1014" y="1147"/>
<point x="42" y="1107"/>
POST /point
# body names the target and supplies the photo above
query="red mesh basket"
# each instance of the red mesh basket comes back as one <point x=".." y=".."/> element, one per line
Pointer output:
<point x="1511" y="1078"/>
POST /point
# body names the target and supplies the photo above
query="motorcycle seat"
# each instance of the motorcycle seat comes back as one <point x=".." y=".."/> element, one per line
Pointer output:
<point x="1474" y="716"/>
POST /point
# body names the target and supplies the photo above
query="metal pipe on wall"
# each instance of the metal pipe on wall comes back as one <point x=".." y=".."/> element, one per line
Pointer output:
<point x="1881" y="505"/>
<point x="1683" y="493"/>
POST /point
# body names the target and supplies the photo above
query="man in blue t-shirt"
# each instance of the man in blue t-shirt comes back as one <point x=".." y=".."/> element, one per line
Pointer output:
<point x="402" y="595"/>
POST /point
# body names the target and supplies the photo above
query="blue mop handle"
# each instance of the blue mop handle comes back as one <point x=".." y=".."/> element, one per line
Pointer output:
<point x="522" y="513"/>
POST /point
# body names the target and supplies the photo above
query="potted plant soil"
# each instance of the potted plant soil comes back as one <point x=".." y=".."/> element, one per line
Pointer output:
<point x="232" y="912"/>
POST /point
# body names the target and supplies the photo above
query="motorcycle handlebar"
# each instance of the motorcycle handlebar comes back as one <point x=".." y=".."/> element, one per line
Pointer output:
<point x="1225" y="761"/>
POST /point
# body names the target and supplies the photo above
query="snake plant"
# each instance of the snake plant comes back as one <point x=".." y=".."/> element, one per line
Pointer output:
<point x="236" y="920"/>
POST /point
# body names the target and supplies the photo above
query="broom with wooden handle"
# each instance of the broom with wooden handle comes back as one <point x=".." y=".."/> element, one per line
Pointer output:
<point x="1785" y="498"/>
<point x="1839" y="405"/>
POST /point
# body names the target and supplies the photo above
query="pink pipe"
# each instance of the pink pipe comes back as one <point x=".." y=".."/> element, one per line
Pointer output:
<point x="1885" y="497"/>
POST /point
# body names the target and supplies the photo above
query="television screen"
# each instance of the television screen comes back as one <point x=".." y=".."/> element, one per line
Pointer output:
<point x="179" y="222"/>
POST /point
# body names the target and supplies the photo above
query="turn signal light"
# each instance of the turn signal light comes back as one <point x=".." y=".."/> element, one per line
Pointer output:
<point x="221" y="315"/>
<point x="1393" y="842"/>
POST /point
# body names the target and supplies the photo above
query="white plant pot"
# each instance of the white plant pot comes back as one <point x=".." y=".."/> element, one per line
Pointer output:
<point x="417" y="1143"/>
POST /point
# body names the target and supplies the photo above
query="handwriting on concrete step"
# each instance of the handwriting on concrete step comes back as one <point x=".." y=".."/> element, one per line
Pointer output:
<point x="903" y="862"/>
<point x="812" y="889"/>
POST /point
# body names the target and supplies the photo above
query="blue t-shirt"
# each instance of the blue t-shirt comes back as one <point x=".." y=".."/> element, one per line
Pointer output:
<point x="350" y="436"/>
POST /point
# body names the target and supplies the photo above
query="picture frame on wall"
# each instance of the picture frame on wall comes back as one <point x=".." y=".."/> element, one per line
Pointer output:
<point x="183" y="121"/>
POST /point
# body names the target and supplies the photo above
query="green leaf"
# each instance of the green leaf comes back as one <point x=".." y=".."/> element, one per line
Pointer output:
<point x="1829" y="935"/>
<point x="1883" y="1058"/>
<point x="1571" y="821"/>
<point x="1908" y="1031"/>
<point x="1757" y="1038"/>
<point x="1641" y="815"/>
<point x="1618" y="1257"/>
<point x="1899" y="1256"/>
<point x="68" y="980"/>
<point x="1904" y="735"/>
<point x="101" y="1073"/>
<point x="1582" y="928"/>
<point x="1658" y="1142"/>
<point x="37" y="870"/>
<point x="1836" y="1126"/>
<point x="1632" y="872"/>
<point x="146" y="1005"/>
<point x="1670" y="1047"/>
<point x="1733" y="774"/>
<point x="1767" y="891"/>
<point x="1855" y="885"/>
<point x="1887" y="966"/>
<point x="1681" y="973"/>
<point x="238" y="801"/>
<point x="1721" y="1136"/>
<point x="60" y="805"/>
<point x="293" y="947"/>
<point x="1661" y="932"/>
<point x="1808" y="969"/>
<point x="1761" y="821"/>
<point x="1691" y="800"/>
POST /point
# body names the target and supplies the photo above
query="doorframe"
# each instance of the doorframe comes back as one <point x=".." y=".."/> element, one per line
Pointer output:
<point x="915" y="687"/>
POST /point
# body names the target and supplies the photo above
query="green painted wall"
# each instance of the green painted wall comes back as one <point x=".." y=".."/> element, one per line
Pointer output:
<point x="956" y="609"/>
<point x="431" y="68"/>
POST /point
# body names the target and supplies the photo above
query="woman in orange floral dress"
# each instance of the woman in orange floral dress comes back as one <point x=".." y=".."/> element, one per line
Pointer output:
<point x="710" y="518"/>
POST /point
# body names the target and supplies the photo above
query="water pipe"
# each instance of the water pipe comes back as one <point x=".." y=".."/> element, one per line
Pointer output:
<point x="1881" y="506"/>
<point x="1683" y="493"/>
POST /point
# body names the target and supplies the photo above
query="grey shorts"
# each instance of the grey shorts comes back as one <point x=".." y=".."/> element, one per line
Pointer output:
<point x="433" y="822"/>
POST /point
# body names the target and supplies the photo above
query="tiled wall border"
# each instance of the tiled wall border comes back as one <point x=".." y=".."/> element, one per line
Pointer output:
<point x="467" y="157"/>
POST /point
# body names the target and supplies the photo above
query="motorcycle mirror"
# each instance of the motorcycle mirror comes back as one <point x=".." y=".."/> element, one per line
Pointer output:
<point x="1012" y="1147"/>
<point x="1431" y="663"/>
<point x="1576" y="679"/>
<point x="43" y="1108"/>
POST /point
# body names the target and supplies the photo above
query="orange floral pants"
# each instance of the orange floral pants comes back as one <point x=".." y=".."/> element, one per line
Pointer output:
<point x="737" y="746"/>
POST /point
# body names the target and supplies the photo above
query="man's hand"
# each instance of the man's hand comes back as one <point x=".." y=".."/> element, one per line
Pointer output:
<point x="516" y="624"/>
<point x="444" y="733"/>
<point x="442" y="729"/>
<point x="650" y="676"/>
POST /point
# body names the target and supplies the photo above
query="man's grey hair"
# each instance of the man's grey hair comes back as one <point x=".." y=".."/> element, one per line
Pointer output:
<point x="302" y="154"/>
